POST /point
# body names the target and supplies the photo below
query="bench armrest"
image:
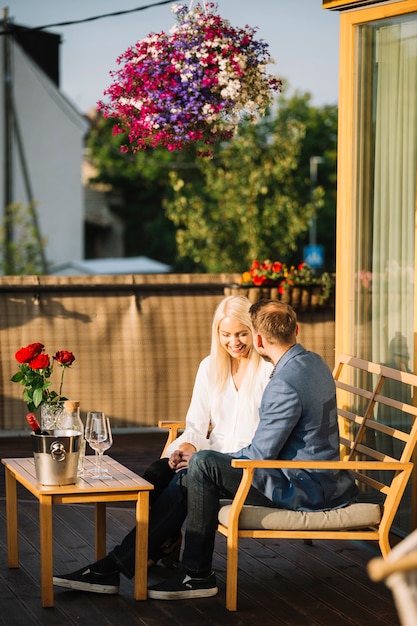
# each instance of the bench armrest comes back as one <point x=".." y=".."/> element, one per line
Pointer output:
<point x="173" y="428"/>
<point x="252" y="464"/>
<point x="402" y="473"/>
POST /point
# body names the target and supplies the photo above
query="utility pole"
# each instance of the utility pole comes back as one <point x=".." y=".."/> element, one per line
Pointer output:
<point x="313" y="253"/>
<point x="8" y="147"/>
<point x="314" y="162"/>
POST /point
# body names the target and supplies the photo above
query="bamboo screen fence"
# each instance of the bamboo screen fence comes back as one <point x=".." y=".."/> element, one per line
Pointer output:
<point x="137" y="340"/>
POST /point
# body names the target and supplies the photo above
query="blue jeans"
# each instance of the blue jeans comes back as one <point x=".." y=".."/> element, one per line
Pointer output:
<point x="210" y="479"/>
<point x="193" y="494"/>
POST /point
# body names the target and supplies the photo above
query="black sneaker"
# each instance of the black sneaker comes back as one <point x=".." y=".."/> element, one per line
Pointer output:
<point x="87" y="580"/>
<point x="182" y="586"/>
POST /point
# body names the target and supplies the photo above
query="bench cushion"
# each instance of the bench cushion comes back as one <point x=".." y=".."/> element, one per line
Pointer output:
<point x="358" y="515"/>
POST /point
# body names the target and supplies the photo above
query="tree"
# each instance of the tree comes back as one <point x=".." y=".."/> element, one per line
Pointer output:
<point x="24" y="254"/>
<point x="250" y="202"/>
<point x="320" y="140"/>
<point x="142" y="181"/>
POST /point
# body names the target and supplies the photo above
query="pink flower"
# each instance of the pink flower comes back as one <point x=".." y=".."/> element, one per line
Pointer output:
<point x="190" y="85"/>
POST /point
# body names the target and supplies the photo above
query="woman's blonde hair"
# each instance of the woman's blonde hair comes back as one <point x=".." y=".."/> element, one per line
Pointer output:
<point x="237" y="308"/>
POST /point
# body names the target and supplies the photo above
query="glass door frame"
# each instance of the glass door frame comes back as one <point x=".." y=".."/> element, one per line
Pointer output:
<point x="347" y="192"/>
<point x="346" y="226"/>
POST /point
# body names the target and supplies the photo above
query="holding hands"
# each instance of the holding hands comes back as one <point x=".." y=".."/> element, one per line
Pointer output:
<point x="180" y="458"/>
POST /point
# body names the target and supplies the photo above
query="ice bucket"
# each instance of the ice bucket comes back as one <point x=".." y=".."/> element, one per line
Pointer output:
<point x="56" y="457"/>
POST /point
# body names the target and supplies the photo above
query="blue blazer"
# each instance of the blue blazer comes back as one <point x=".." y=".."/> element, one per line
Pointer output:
<point x="298" y="420"/>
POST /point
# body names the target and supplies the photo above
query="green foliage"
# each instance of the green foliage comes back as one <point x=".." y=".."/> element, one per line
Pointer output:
<point x="35" y="385"/>
<point x="19" y="241"/>
<point x="142" y="182"/>
<point x="250" y="200"/>
<point x="320" y="140"/>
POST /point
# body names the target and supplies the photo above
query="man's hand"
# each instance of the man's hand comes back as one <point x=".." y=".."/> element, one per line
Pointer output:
<point x="180" y="458"/>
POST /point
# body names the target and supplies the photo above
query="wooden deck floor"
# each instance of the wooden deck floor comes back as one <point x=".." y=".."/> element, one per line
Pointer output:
<point x="280" y="582"/>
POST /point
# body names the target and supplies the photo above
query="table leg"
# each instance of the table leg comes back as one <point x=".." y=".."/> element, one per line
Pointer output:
<point x="11" y="515"/>
<point x="100" y="530"/>
<point x="45" y="521"/>
<point x="141" y="551"/>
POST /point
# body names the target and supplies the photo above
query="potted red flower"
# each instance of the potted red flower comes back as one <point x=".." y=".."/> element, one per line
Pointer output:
<point x="35" y="370"/>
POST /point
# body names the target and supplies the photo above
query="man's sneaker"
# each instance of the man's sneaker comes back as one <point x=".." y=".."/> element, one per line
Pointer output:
<point x="87" y="580"/>
<point x="182" y="586"/>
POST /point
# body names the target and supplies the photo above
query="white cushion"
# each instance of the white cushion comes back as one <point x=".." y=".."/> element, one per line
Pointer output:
<point x="358" y="515"/>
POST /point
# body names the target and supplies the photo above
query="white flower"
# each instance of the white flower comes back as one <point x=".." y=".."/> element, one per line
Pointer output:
<point x="231" y="91"/>
<point x="236" y="82"/>
<point x="138" y="104"/>
<point x="251" y="105"/>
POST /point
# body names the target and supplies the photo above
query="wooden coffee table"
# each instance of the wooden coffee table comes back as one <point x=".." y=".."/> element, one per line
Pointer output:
<point x="123" y="486"/>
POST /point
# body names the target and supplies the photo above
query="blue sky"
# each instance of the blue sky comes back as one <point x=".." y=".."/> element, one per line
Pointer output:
<point x="303" y="39"/>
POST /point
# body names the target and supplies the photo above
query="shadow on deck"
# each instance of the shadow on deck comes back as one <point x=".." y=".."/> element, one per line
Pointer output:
<point x="283" y="583"/>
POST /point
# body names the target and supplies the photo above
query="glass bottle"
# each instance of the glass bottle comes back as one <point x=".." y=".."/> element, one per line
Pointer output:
<point x="70" y="420"/>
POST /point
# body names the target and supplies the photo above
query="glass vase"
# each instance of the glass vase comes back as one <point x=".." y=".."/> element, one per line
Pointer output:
<point x="50" y="415"/>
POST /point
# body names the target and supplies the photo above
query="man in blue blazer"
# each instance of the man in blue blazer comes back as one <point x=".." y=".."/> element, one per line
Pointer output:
<point x="298" y="420"/>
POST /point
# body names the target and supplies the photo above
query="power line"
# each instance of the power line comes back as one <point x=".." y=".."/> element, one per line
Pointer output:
<point x="89" y="19"/>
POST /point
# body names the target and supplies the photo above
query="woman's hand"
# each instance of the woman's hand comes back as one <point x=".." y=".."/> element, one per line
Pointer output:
<point x="179" y="459"/>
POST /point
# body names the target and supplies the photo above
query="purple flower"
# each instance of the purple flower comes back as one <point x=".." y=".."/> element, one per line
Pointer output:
<point x="191" y="85"/>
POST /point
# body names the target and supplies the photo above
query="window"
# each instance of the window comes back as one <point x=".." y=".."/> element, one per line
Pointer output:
<point x="386" y="190"/>
<point x="376" y="210"/>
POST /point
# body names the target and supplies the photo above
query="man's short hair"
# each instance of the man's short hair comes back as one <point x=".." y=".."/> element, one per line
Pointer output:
<point x="274" y="320"/>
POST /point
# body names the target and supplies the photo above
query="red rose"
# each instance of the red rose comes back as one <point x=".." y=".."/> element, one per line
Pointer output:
<point x="40" y="362"/>
<point x="255" y="265"/>
<point x="34" y="370"/>
<point x="301" y="266"/>
<point x="24" y="355"/>
<point x="63" y="357"/>
<point x="276" y="267"/>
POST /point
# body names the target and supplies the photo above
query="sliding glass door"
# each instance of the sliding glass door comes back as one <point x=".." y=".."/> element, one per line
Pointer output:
<point x="386" y="198"/>
<point x="376" y="242"/>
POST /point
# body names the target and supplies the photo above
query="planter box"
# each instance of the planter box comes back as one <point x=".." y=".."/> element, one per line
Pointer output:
<point x="302" y="298"/>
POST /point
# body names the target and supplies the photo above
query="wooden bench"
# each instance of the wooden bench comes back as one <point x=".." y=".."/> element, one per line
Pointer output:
<point x="378" y="437"/>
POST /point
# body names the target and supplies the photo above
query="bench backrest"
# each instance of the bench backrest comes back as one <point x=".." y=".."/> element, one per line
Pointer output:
<point x="376" y="408"/>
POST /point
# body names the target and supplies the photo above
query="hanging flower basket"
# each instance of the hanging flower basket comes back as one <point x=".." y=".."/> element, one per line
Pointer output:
<point x="192" y="85"/>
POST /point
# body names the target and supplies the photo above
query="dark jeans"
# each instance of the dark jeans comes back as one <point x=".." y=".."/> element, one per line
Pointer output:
<point x="193" y="494"/>
<point x="166" y="517"/>
<point x="160" y="475"/>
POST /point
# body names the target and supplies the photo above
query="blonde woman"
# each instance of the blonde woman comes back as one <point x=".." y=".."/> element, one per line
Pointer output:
<point x="227" y="390"/>
<point x="226" y="397"/>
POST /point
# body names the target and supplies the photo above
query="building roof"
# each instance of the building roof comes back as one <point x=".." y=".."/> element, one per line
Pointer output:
<point x="126" y="265"/>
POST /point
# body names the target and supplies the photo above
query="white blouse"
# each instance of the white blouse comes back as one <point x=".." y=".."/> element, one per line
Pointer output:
<point x="233" y="417"/>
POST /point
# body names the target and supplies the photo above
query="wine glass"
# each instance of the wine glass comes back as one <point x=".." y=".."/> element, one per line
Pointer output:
<point x="87" y="428"/>
<point x="99" y="436"/>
